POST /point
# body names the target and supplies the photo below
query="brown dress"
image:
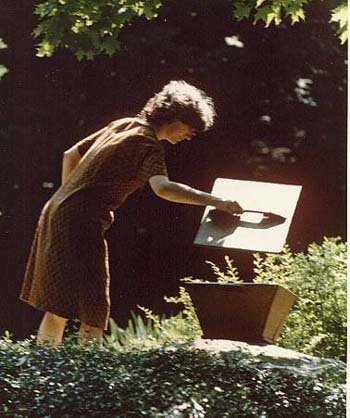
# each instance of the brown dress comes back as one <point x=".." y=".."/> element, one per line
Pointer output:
<point x="67" y="271"/>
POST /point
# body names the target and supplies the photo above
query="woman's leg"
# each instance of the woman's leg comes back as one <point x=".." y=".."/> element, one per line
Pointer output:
<point x="87" y="333"/>
<point x="51" y="329"/>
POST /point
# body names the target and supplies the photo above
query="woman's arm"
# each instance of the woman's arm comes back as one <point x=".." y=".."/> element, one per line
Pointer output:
<point x="71" y="159"/>
<point x="73" y="155"/>
<point x="181" y="193"/>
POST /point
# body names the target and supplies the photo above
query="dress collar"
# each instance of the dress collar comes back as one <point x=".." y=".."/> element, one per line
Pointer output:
<point x="147" y="125"/>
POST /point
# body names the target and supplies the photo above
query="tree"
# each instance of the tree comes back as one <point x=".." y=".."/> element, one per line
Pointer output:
<point x="92" y="27"/>
<point x="87" y="27"/>
<point x="275" y="11"/>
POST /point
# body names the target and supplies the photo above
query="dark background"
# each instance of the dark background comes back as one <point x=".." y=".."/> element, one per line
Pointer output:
<point x="272" y="126"/>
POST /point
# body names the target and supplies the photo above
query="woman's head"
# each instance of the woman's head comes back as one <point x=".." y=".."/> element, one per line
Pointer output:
<point x="180" y="101"/>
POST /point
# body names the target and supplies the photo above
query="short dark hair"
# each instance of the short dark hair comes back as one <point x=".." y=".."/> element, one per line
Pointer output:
<point x="179" y="100"/>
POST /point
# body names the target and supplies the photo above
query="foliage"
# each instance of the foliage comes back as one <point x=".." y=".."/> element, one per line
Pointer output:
<point x="75" y="381"/>
<point x="276" y="11"/>
<point x="187" y="323"/>
<point x="3" y="69"/>
<point x="340" y="17"/>
<point x="231" y="274"/>
<point x="89" y="28"/>
<point x="316" y="325"/>
<point x="139" y="331"/>
<point x="317" y="322"/>
<point x="154" y="330"/>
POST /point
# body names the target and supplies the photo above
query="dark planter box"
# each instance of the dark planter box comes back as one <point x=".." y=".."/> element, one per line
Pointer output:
<point x="249" y="312"/>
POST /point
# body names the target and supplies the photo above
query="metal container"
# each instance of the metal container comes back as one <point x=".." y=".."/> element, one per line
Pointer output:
<point x="248" y="312"/>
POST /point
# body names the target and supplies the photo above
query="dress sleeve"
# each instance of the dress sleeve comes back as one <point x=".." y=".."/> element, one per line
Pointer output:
<point x="153" y="163"/>
<point x="85" y="144"/>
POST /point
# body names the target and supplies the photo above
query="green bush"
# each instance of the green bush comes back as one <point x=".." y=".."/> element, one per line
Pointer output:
<point x="73" y="381"/>
<point x="317" y="322"/>
<point x="156" y="331"/>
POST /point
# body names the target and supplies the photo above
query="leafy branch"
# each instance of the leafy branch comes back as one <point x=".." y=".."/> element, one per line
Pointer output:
<point x="87" y="27"/>
<point x="3" y="69"/>
<point x="277" y="11"/>
<point x="90" y="28"/>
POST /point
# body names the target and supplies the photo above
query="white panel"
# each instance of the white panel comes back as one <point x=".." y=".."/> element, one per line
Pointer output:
<point x="280" y="199"/>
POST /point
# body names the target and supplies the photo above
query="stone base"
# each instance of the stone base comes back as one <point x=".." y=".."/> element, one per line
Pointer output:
<point x="273" y="355"/>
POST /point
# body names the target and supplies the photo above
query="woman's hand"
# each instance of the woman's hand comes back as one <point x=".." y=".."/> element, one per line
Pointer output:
<point x="229" y="206"/>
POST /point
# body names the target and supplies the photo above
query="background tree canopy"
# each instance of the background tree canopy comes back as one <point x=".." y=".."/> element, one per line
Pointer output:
<point x="90" y="27"/>
<point x="3" y="69"/>
<point x="280" y="94"/>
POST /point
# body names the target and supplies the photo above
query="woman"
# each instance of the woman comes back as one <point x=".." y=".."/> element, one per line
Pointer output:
<point x="67" y="272"/>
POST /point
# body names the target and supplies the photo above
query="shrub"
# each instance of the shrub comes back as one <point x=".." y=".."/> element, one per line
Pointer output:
<point x="317" y="322"/>
<point x="73" y="381"/>
<point x="154" y="330"/>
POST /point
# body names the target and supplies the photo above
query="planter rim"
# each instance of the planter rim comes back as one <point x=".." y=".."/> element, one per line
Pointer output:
<point x="236" y="285"/>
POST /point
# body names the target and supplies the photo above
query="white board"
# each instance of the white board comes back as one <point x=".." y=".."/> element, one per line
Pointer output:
<point x="250" y="233"/>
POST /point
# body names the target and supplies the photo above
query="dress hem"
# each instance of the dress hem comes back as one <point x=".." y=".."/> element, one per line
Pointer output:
<point x="63" y="315"/>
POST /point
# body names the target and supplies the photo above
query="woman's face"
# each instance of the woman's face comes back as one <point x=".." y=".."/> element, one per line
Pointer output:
<point x="176" y="131"/>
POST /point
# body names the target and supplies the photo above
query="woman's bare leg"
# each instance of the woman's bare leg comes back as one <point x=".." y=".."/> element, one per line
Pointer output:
<point x="87" y="333"/>
<point x="51" y="329"/>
